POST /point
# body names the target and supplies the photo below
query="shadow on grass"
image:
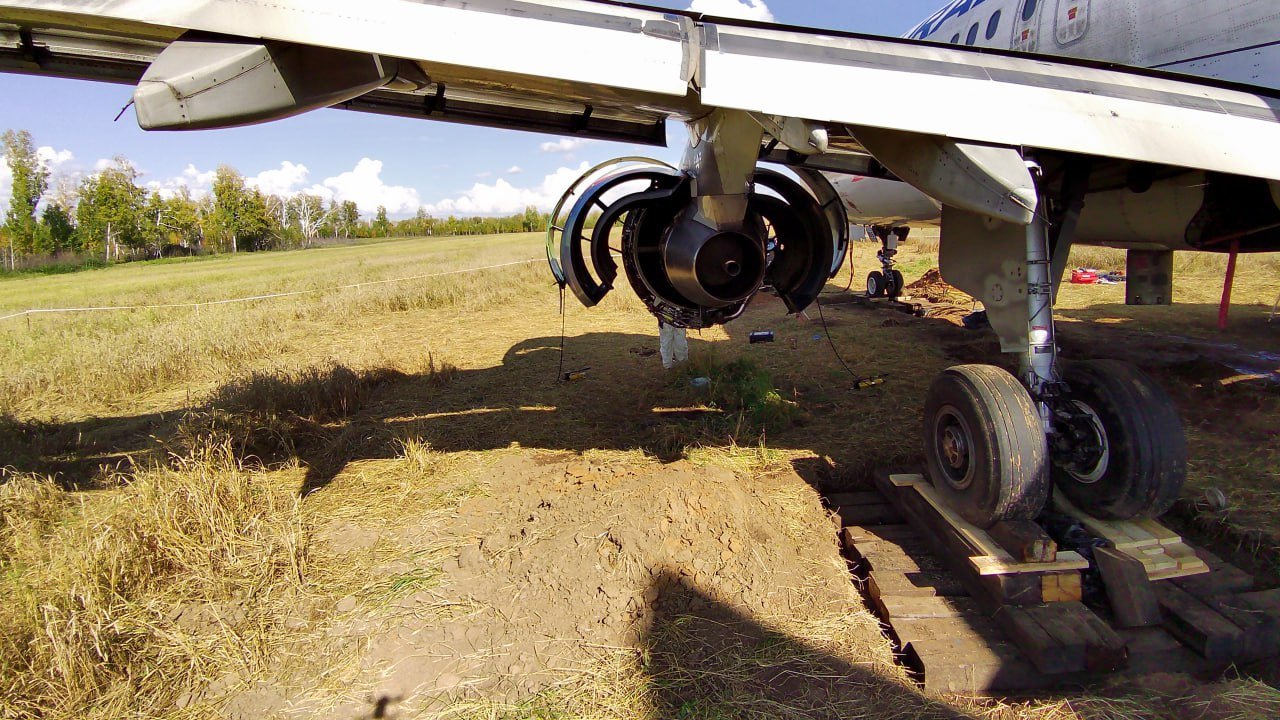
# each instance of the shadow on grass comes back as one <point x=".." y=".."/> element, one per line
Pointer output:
<point x="707" y="660"/>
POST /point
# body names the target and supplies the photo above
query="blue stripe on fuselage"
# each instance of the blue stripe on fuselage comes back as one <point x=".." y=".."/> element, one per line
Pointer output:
<point x="935" y="21"/>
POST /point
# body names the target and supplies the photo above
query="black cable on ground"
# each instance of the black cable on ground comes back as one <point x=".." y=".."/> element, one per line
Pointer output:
<point x="560" y="372"/>
<point x="859" y="383"/>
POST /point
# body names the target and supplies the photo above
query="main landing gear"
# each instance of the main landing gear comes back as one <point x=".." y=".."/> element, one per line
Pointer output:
<point x="887" y="281"/>
<point x="1100" y="431"/>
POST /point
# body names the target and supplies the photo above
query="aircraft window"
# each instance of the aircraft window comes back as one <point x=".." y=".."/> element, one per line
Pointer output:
<point x="993" y="24"/>
<point x="1029" y="9"/>
<point x="955" y="39"/>
<point x="972" y="37"/>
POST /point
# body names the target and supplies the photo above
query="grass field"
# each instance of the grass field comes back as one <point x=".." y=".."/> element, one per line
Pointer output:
<point x="261" y="509"/>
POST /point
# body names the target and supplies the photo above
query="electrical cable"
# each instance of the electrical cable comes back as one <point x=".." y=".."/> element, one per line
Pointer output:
<point x="849" y="254"/>
<point x="859" y="383"/>
<point x="560" y="372"/>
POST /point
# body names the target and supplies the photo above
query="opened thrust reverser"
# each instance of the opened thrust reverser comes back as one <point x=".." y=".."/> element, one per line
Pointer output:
<point x="697" y="244"/>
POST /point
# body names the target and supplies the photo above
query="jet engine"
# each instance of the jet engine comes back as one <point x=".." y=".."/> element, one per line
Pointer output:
<point x="689" y="274"/>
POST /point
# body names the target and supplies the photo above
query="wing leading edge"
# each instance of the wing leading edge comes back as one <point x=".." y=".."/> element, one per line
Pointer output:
<point x="619" y="71"/>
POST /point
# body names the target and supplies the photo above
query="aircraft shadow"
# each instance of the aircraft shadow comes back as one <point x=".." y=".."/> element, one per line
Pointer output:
<point x="707" y="659"/>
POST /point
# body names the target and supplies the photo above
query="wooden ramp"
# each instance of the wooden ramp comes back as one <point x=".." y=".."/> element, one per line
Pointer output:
<point x="1000" y="610"/>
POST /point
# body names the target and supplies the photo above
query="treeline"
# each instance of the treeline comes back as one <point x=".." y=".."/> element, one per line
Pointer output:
<point x="109" y="216"/>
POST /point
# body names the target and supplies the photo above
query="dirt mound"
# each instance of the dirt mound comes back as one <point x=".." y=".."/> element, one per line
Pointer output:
<point x="562" y="557"/>
<point x="933" y="288"/>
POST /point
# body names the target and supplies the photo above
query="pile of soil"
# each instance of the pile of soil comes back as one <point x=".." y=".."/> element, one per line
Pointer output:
<point x="933" y="288"/>
<point x="561" y="555"/>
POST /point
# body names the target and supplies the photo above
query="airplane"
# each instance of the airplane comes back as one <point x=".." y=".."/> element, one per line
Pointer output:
<point x="1237" y="41"/>
<point x="1025" y="153"/>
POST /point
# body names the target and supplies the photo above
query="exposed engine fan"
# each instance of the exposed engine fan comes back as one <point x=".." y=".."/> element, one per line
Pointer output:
<point x="687" y="273"/>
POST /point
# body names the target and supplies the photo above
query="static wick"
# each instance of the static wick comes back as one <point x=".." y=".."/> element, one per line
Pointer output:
<point x="122" y="110"/>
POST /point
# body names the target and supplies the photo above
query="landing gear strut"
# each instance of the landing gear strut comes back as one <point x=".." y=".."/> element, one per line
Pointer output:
<point x="1102" y="432"/>
<point x="887" y="281"/>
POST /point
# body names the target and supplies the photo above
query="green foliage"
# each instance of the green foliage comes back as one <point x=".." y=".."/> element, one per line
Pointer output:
<point x="742" y="388"/>
<point x="239" y="217"/>
<point x="57" y="231"/>
<point x="30" y="180"/>
<point x="110" y="211"/>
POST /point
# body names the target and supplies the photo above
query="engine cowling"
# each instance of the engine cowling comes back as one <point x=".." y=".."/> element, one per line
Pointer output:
<point x="687" y="273"/>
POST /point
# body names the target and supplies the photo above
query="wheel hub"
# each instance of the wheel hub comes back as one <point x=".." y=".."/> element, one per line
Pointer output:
<point x="954" y="443"/>
<point x="1082" y="448"/>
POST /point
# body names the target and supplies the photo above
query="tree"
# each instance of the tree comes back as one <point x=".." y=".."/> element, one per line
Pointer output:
<point x="348" y="218"/>
<point x="239" y="216"/>
<point x="57" y="231"/>
<point x="30" y="180"/>
<point x="381" y="226"/>
<point x="110" y="210"/>
<point x="308" y="213"/>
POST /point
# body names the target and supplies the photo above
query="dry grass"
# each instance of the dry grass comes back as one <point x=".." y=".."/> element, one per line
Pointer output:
<point x="196" y="561"/>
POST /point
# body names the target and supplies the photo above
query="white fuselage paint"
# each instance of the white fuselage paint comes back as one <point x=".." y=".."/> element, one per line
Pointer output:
<point x="1232" y="40"/>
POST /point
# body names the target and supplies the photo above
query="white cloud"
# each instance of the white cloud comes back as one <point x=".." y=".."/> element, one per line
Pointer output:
<point x="102" y="164"/>
<point x="503" y="198"/>
<point x="514" y="170"/>
<point x="54" y="159"/>
<point x="485" y="174"/>
<point x="59" y="163"/>
<point x="565" y="145"/>
<point x="364" y="185"/>
<point x="745" y="9"/>
<point x="198" y="182"/>
<point x="283" y="181"/>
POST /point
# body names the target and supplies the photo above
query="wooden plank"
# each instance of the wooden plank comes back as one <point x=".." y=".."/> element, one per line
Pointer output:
<point x="1133" y="600"/>
<point x="974" y="628"/>
<point x="958" y="666"/>
<point x="1197" y="625"/>
<point x="1043" y="647"/>
<point x="1258" y="616"/>
<point x="887" y="533"/>
<point x="955" y="547"/>
<point x="990" y="565"/>
<point x="1105" y="651"/>
<point x="1061" y="587"/>
<point x="1153" y="650"/>
<point x="1113" y="532"/>
<point x="1024" y="540"/>
<point x="861" y="497"/>
<point x="881" y="556"/>
<point x="878" y="514"/>
<point x="1221" y="578"/>
<point x="915" y="584"/>
<point x="908" y="607"/>
<point x="1162" y="534"/>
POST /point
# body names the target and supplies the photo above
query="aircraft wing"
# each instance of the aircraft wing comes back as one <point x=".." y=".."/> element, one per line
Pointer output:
<point x="619" y="71"/>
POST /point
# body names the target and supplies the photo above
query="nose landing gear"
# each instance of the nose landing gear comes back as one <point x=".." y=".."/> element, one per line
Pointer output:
<point x="887" y="281"/>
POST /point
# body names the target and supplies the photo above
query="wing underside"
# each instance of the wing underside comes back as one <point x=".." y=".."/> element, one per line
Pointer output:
<point x="618" y="72"/>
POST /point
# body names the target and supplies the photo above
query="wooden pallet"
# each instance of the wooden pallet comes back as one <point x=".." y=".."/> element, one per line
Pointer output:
<point x="971" y="614"/>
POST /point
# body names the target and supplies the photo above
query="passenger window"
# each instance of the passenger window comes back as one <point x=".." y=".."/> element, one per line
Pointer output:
<point x="1029" y="9"/>
<point x="1071" y="21"/>
<point x="972" y="37"/>
<point x="955" y="39"/>
<point x="993" y="25"/>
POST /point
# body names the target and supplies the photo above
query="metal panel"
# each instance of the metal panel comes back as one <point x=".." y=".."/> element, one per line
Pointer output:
<point x="1036" y="104"/>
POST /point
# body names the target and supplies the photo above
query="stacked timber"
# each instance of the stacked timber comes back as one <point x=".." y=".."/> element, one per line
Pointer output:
<point x="1000" y="610"/>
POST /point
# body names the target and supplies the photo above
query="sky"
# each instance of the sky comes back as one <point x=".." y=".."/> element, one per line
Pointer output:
<point x="400" y="163"/>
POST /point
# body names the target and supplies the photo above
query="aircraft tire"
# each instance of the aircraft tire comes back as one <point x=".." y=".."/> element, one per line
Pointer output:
<point x="876" y="284"/>
<point x="897" y="282"/>
<point x="985" y="445"/>
<point x="1143" y="464"/>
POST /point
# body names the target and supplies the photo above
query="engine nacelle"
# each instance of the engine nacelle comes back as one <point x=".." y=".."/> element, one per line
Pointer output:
<point x="687" y="273"/>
